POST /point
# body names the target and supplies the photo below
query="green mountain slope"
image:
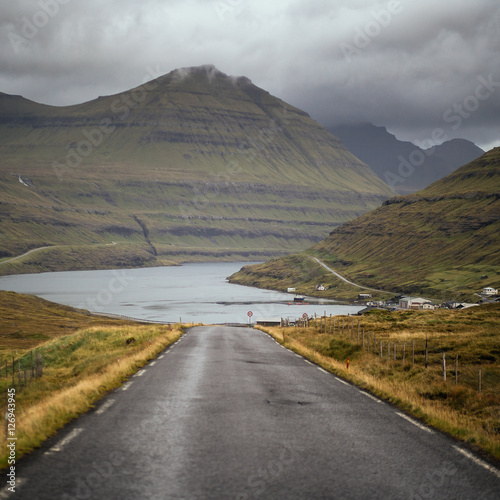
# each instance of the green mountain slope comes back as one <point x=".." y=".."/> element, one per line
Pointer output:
<point x="439" y="242"/>
<point x="193" y="165"/>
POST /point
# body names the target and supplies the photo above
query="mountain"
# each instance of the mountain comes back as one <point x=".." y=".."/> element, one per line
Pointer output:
<point x="194" y="165"/>
<point x="401" y="164"/>
<point x="441" y="242"/>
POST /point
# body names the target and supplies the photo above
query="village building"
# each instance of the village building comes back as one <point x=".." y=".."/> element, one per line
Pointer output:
<point x="412" y="302"/>
<point x="490" y="291"/>
<point x="364" y="296"/>
<point x="427" y="306"/>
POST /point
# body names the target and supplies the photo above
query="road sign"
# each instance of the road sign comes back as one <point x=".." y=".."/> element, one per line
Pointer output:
<point x="304" y="315"/>
<point x="249" y="314"/>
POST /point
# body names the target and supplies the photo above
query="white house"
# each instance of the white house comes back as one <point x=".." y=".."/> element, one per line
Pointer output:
<point x="412" y="302"/>
<point x="429" y="307"/>
<point x="490" y="291"/>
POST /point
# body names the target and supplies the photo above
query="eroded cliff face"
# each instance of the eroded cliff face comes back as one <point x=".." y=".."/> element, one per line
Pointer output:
<point x="209" y="164"/>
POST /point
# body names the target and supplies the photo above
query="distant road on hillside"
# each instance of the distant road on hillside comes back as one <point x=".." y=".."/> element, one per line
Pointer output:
<point x="24" y="254"/>
<point x="346" y="280"/>
<point x="227" y="413"/>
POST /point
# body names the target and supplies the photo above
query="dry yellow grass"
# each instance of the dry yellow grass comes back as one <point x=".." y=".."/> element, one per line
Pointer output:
<point x="458" y="409"/>
<point x="80" y="369"/>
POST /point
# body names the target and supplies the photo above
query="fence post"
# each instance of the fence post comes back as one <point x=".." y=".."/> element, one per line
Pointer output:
<point x="426" y="349"/>
<point x="381" y="350"/>
<point x="404" y="353"/>
<point x="413" y="353"/>
<point x="479" y="382"/>
<point x="456" y="369"/>
<point x="444" y="366"/>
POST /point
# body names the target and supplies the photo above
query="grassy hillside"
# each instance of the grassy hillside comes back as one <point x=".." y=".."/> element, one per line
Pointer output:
<point x="438" y="242"/>
<point x="84" y="357"/>
<point x="193" y="165"/>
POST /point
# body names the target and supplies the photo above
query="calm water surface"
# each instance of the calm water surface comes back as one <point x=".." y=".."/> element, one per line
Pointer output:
<point x="191" y="292"/>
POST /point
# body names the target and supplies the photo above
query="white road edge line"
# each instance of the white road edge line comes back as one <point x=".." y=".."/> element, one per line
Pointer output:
<point x="370" y="396"/>
<point x="152" y="363"/>
<point x="323" y="370"/>
<point x="161" y="357"/>
<point x="478" y="461"/>
<point x="105" y="406"/>
<point x="140" y="373"/>
<point x="126" y="385"/>
<point x="414" y="422"/>
<point x="307" y="361"/>
<point x="64" y="442"/>
<point x="341" y="381"/>
<point x="5" y="493"/>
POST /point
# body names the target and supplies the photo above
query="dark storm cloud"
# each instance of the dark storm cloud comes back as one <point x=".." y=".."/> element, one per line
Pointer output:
<point x="402" y="64"/>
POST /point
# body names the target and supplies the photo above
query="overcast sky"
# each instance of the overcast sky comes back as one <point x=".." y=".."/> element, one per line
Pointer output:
<point x="422" y="68"/>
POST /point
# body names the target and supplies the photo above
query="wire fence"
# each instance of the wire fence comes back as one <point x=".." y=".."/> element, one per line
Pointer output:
<point x="436" y="356"/>
<point x="19" y="373"/>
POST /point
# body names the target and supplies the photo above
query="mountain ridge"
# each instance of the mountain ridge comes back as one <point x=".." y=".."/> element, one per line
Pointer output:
<point x="441" y="242"/>
<point x="403" y="165"/>
<point x="213" y="166"/>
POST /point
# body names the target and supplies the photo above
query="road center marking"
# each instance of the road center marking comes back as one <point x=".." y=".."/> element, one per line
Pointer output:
<point x="64" y="442"/>
<point x="414" y="422"/>
<point x="478" y="461"/>
<point x="105" y="406"/>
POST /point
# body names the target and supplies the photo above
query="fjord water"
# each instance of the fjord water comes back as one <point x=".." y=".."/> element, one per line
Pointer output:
<point x="191" y="293"/>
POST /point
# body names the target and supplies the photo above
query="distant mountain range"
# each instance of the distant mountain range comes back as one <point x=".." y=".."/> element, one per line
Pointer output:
<point x="195" y="165"/>
<point x="404" y="166"/>
<point x="441" y="242"/>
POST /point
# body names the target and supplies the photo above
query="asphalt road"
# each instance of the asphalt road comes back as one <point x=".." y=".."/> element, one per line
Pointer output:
<point x="228" y="413"/>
